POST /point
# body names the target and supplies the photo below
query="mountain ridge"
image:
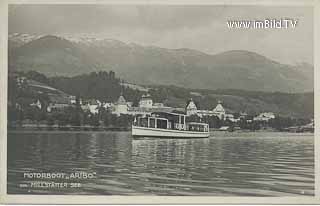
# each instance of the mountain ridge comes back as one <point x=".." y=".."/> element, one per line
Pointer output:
<point x="55" y="55"/>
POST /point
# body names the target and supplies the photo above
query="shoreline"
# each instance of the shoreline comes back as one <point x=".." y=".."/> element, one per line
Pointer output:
<point x="127" y="131"/>
<point x="39" y="128"/>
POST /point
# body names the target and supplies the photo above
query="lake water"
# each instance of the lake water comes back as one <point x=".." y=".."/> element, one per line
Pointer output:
<point x="226" y="164"/>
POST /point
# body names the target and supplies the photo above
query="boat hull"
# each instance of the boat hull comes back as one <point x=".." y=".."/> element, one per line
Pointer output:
<point x="166" y="133"/>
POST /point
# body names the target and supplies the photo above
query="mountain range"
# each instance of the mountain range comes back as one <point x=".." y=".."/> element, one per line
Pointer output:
<point x="150" y="65"/>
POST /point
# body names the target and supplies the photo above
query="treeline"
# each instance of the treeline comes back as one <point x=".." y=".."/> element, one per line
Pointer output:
<point x="278" y="123"/>
<point x="68" y="116"/>
<point x="291" y="104"/>
<point x="253" y="102"/>
<point x="75" y="116"/>
<point x="20" y="94"/>
<point x="104" y="86"/>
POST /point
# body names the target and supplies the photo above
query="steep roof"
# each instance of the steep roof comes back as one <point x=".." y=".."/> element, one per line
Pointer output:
<point x="121" y="100"/>
<point x="219" y="108"/>
<point x="191" y="105"/>
<point x="144" y="97"/>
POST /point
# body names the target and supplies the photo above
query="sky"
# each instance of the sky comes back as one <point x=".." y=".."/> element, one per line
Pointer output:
<point x="200" y="27"/>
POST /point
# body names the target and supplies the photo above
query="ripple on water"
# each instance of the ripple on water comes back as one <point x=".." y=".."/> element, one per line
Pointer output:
<point x="232" y="164"/>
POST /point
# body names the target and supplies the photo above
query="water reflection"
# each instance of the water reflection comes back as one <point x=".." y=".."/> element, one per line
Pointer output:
<point x="263" y="164"/>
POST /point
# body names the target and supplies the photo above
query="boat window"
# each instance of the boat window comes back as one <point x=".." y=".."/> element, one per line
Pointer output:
<point x="175" y="119"/>
<point x="171" y="125"/>
<point x="152" y="123"/>
<point x="161" y="123"/>
<point x="143" y="122"/>
<point x="198" y="127"/>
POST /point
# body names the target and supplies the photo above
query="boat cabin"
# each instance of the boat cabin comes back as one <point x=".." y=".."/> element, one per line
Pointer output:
<point x="196" y="126"/>
<point x="173" y="121"/>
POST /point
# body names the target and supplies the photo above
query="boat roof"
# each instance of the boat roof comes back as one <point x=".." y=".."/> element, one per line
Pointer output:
<point x="197" y="123"/>
<point x="159" y="118"/>
<point x="168" y="113"/>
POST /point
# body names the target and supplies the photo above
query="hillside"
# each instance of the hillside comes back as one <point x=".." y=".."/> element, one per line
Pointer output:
<point x="105" y="86"/>
<point x="296" y="105"/>
<point x="149" y="65"/>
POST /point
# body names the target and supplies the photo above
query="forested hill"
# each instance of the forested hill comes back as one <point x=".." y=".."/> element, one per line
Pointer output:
<point x="106" y="86"/>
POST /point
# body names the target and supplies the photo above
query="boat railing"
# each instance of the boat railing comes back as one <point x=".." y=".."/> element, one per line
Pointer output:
<point x="196" y="126"/>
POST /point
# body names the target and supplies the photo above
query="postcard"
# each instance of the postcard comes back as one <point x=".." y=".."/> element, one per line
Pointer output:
<point x="148" y="102"/>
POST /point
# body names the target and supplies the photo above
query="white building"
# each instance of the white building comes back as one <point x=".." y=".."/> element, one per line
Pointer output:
<point x="121" y="106"/>
<point x="58" y="102"/>
<point x="158" y="105"/>
<point x="129" y="104"/>
<point x="231" y="118"/>
<point x="146" y="101"/>
<point x="107" y="105"/>
<point x="191" y="108"/>
<point x="243" y="115"/>
<point x="146" y="107"/>
<point x="94" y="109"/>
<point x="93" y="106"/>
<point x="73" y="99"/>
<point x="219" y="111"/>
<point x="266" y="116"/>
<point x="37" y="104"/>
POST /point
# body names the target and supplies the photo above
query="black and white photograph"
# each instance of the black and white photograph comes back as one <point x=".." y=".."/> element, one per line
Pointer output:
<point x="149" y="99"/>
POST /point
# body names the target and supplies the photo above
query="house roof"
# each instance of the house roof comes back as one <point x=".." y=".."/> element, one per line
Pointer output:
<point x="219" y="108"/>
<point x="121" y="100"/>
<point x="144" y="97"/>
<point x="191" y="105"/>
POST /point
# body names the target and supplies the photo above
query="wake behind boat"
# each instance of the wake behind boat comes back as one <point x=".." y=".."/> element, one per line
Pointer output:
<point x="169" y="125"/>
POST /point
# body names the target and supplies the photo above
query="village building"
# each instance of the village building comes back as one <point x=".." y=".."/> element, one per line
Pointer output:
<point x="158" y="105"/>
<point x="36" y="104"/>
<point x="139" y="111"/>
<point x="243" y="115"/>
<point x="93" y="106"/>
<point x="57" y="102"/>
<point x="108" y="105"/>
<point x="191" y="108"/>
<point x="230" y="117"/>
<point x="85" y="108"/>
<point x="120" y="106"/>
<point x="146" y="101"/>
<point x="130" y="104"/>
<point x="146" y="107"/>
<point x="73" y="100"/>
<point x="203" y="112"/>
<point x="219" y="111"/>
<point x="266" y="116"/>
